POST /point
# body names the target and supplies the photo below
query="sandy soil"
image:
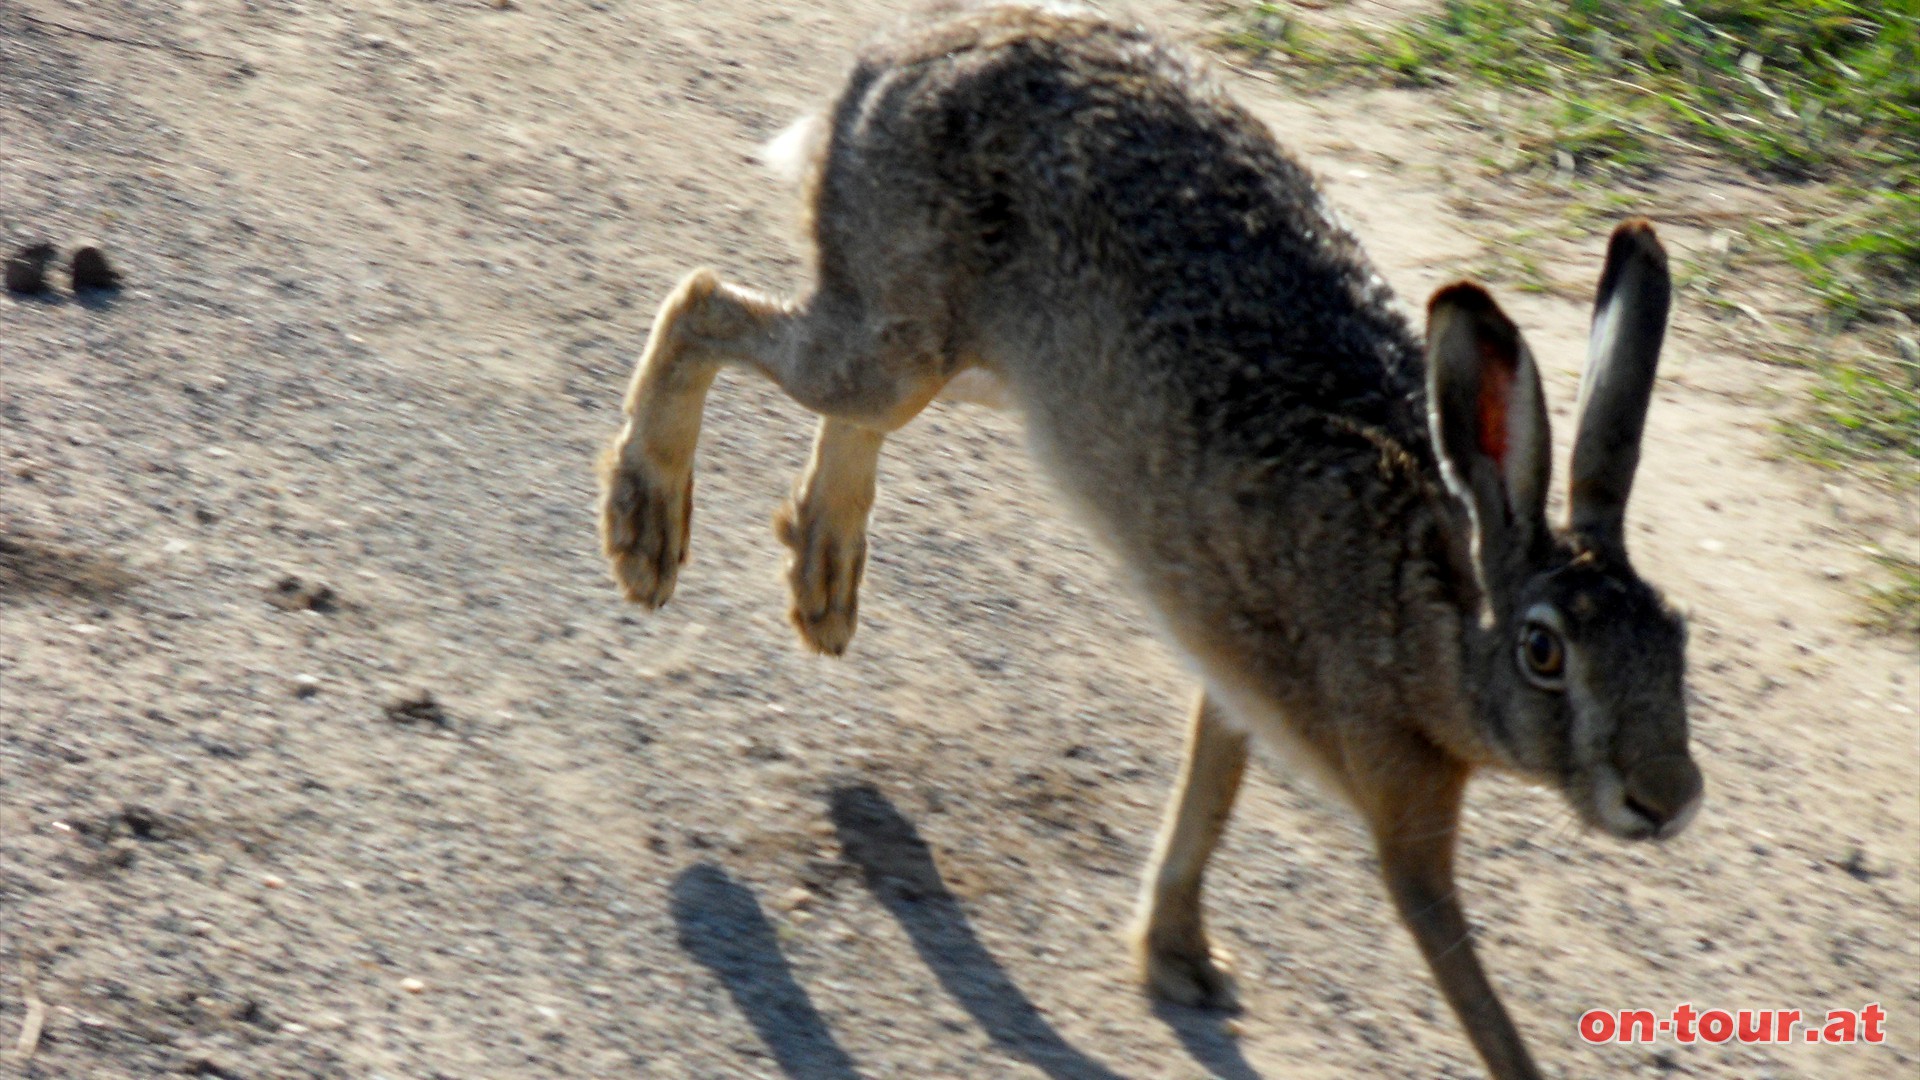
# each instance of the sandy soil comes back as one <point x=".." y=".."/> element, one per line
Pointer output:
<point x="388" y="262"/>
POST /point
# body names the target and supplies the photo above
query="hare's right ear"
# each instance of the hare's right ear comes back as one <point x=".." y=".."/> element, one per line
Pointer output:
<point x="1629" y="322"/>
<point x="1489" y="422"/>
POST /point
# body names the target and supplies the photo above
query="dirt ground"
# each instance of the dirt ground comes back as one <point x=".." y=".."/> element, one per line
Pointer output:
<point x="388" y="262"/>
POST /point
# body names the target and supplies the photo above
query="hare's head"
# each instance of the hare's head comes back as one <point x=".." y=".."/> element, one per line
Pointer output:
<point x="1578" y="665"/>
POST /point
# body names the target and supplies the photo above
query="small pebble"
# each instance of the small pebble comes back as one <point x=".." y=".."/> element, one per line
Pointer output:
<point x="305" y="686"/>
<point x="274" y="881"/>
<point x="91" y="270"/>
<point x="291" y="593"/>
<point x="1859" y="868"/>
<point x="413" y="986"/>
<point x="420" y="708"/>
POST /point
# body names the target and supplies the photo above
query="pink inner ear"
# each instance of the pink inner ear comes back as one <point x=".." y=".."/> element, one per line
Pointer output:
<point x="1496" y="392"/>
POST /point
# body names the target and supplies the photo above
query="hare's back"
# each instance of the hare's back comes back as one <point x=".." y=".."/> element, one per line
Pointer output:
<point x="1058" y="157"/>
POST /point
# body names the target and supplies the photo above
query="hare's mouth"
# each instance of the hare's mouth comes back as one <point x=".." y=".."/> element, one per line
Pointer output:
<point x="1616" y="807"/>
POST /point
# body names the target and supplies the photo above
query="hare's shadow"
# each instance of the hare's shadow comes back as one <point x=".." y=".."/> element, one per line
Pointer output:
<point x="722" y="926"/>
<point x="899" y="870"/>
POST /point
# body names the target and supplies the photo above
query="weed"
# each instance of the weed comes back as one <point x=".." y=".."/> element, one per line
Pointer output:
<point x="1824" y="93"/>
<point x="1895" y="606"/>
<point x="1795" y="88"/>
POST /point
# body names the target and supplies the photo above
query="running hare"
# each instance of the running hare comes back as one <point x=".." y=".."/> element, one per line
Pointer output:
<point x="1344" y="532"/>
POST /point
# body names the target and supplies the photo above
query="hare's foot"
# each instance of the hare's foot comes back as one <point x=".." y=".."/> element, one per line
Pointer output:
<point x="644" y="515"/>
<point x="1189" y="975"/>
<point x="1186" y="971"/>
<point x="825" y="560"/>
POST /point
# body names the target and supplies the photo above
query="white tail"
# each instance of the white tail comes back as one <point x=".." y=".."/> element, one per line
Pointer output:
<point x="789" y="154"/>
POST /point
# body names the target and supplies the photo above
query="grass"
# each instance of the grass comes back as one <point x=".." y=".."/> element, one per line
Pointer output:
<point x="1895" y="606"/>
<point x="1510" y="261"/>
<point x="1824" y="94"/>
<point x="1795" y="88"/>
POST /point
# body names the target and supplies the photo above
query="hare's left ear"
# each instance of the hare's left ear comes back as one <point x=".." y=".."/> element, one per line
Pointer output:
<point x="1629" y="322"/>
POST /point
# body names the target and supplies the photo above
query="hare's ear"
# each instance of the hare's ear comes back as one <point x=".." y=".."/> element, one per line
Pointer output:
<point x="1489" y="422"/>
<point x="1629" y="321"/>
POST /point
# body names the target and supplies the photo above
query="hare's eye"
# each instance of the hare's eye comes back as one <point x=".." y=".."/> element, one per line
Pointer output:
<point x="1543" y="656"/>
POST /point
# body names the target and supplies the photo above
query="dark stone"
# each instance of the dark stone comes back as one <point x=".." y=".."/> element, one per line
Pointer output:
<point x="27" y="269"/>
<point x="91" y="270"/>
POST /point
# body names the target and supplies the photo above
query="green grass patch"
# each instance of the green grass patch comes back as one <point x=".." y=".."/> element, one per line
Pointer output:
<point x="1895" y="606"/>
<point x="1796" y="88"/>
<point x="1823" y="93"/>
<point x="1865" y="412"/>
<point x="1863" y="260"/>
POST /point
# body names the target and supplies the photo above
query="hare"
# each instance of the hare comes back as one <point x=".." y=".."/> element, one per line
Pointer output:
<point x="1345" y="532"/>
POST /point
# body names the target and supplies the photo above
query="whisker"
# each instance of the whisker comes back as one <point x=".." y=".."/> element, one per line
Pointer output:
<point x="1450" y="896"/>
<point x="1465" y="940"/>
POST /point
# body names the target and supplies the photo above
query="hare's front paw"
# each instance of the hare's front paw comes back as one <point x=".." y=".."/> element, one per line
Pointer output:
<point x="827" y="553"/>
<point x="644" y="513"/>
<point x="1193" y="975"/>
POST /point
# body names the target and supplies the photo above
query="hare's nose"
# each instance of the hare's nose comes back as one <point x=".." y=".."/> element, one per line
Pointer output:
<point x="1666" y="791"/>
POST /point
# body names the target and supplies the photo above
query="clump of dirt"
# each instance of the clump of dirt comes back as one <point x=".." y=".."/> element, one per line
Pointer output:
<point x="26" y="271"/>
<point x="421" y="708"/>
<point x="90" y="270"/>
<point x="294" y="593"/>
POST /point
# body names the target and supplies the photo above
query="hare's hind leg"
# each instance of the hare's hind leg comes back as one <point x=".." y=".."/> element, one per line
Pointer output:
<point x="1169" y="935"/>
<point x="646" y="474"/>
<point x="824" y="526"/>
<point x="868" y="364"/>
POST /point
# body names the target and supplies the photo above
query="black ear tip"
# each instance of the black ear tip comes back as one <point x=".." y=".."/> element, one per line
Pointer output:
<point x="1635" y="236"/>
<point x="1464" y="295"/>
<point x="1464" y="306"/>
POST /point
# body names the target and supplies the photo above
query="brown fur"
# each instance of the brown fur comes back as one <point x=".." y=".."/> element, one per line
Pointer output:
<point x="1342" y="528"/>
